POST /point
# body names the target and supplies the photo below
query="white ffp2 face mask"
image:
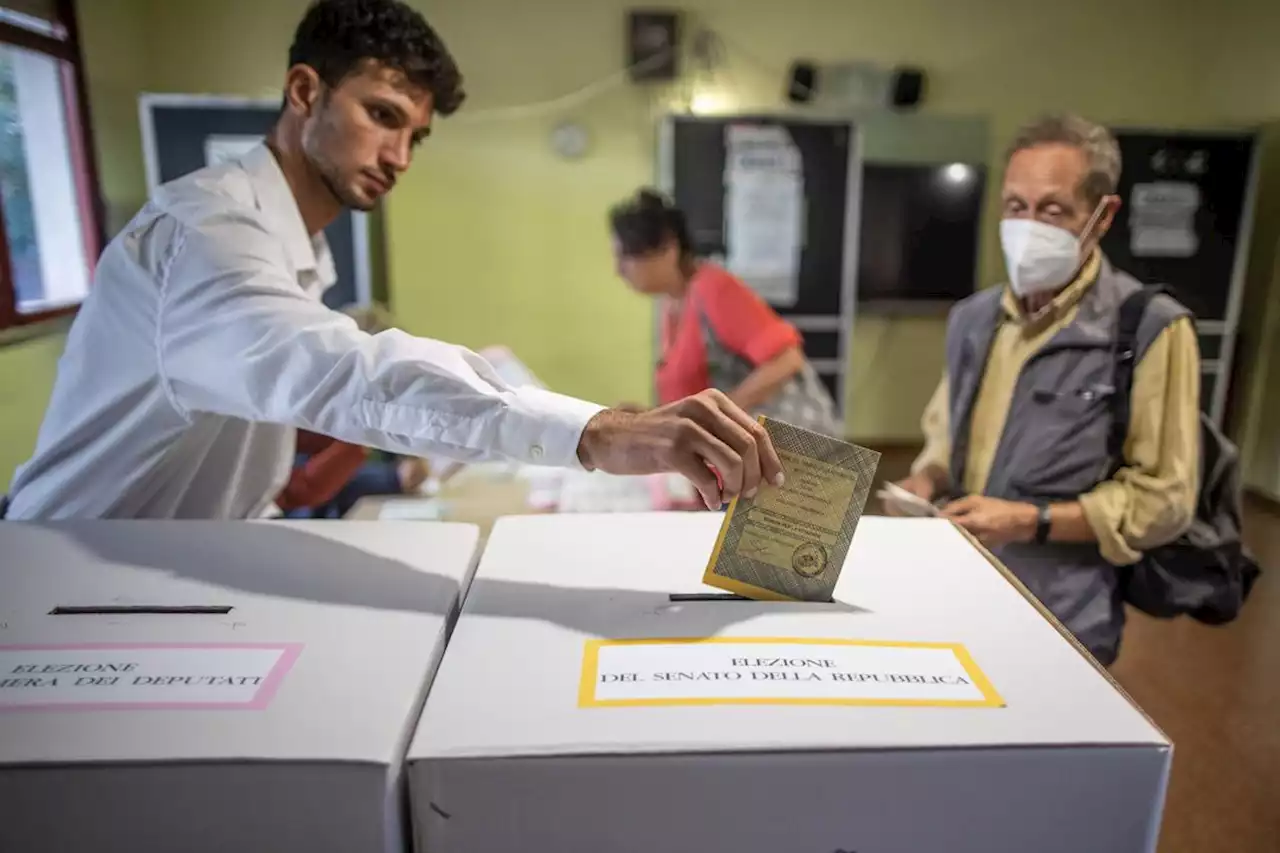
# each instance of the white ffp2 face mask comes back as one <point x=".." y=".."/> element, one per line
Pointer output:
<point x="1040" y="257"/>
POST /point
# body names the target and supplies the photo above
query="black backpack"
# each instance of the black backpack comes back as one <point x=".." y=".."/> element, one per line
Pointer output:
<point x="1206" y="573"/>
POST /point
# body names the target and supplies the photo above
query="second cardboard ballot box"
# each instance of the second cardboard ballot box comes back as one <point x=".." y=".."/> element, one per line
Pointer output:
<point x="593" y="700"/>
<point x="213" y="687"/>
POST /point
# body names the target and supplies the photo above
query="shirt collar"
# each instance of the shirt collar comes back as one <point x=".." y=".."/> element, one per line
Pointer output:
<point x="275" y="200"/>
<point x="1066" y="299"/>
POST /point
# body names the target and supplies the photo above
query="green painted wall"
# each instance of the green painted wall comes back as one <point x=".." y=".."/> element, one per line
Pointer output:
<point x="28" y="369"/>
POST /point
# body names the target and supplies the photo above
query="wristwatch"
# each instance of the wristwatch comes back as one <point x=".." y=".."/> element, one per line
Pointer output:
<point x="1043" y="522"/>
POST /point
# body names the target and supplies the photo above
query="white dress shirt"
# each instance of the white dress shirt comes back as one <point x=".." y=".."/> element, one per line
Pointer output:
<point x="203" y="344"/>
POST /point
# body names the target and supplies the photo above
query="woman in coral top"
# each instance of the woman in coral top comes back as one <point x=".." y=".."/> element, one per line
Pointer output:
<point x="716" y="331"/>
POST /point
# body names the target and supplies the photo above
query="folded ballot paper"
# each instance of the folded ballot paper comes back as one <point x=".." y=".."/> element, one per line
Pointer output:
<point x="788" y="543"/>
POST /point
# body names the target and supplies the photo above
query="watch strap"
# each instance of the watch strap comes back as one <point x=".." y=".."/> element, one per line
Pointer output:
<point x="1044" y="521"/>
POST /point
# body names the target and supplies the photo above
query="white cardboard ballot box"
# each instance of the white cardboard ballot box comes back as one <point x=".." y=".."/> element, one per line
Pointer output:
<point x="212" y="687"/>
<point x="931" y="707"/>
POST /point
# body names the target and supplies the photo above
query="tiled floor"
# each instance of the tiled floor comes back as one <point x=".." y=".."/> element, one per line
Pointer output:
<point x="1216" y="693"/>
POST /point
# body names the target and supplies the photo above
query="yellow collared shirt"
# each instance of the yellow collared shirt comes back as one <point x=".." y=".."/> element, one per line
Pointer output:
<point x="1152" y="499"/>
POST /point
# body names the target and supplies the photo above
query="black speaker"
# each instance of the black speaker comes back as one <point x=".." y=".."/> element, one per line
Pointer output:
<point x="803" y="82"/>
<point x="907" y="88"/>
<point x="653" y="45"/>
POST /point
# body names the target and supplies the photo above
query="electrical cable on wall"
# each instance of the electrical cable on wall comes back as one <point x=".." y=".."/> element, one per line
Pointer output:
<point x="707" y="49"/>
<point x="563" y="103"/>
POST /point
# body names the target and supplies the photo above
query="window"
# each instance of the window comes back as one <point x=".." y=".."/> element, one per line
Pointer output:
<point x="50" y="228"/>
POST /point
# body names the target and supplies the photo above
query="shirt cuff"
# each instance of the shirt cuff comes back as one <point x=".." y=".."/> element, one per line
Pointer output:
<point x="1104" y="510"/>
<point x="545" y="428"/>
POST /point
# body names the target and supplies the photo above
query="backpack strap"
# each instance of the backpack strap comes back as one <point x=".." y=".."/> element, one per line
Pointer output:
<point x="1125" y="354"/>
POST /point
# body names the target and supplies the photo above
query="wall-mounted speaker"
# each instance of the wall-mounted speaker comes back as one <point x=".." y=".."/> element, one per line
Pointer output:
<point x="653" y="45"/>
<point x="906" y="90"/>
<point x="802" y="84"/>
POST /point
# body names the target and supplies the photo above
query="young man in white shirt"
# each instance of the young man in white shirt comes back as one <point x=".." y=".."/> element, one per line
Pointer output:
<point x="203" y="343"/>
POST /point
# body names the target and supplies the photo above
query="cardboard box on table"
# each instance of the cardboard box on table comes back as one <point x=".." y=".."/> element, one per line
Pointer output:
<point x="949" y="713"/>
<point x="262" y="698"/>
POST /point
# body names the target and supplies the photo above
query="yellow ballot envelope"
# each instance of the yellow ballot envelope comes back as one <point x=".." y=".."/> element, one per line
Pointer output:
<point x="788" y="543"/>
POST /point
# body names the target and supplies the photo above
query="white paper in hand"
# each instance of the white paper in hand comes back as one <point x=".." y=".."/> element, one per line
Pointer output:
<point x="905" y="502"/>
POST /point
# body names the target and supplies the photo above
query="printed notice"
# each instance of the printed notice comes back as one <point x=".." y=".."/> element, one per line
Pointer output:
<point x="764" y="204"/>
<point x="781" y="671"/>
<point x="790" y="542"/>
<point x="142" y="676"/>
<point x="1162" y="220"/>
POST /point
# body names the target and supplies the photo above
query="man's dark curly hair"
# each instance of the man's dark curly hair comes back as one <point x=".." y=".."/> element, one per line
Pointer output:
<point x="337" y="36"/>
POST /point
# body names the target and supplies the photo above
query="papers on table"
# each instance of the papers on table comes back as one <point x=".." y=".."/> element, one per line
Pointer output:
<point x="549" y="490"/>
<point x="565" y="490"/>
<point x="411" y="509"/>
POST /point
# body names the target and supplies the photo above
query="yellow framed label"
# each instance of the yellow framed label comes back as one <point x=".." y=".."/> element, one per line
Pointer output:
<point x="658" y="672"/>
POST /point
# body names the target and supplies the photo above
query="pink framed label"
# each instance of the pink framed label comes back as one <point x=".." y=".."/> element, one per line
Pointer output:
<point x="144" y="676"/>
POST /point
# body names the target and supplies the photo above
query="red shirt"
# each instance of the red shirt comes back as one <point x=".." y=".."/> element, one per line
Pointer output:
<point x="740" y="319"/>
<point x="331" y="464"/>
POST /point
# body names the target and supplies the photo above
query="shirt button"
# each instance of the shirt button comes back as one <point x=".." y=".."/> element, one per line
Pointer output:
<point x="536" y="451"/>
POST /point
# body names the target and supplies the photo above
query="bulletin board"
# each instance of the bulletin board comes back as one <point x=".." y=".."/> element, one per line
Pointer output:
<point x="696" y="168"/>
<point x="1186" y="224"/>
<point x="183" y="133"/>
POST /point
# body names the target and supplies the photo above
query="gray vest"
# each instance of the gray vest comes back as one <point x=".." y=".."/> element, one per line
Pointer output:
<point x="1054" y="444"/>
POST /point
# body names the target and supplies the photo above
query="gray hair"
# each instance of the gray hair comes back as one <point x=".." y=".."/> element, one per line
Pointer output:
<point x="1099" y="146"/>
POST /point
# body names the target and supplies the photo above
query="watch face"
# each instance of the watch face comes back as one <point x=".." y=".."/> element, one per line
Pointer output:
<point x="1043" y="523"/>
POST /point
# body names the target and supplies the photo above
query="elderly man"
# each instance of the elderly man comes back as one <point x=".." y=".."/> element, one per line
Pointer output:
<point x="1016" y="432"/>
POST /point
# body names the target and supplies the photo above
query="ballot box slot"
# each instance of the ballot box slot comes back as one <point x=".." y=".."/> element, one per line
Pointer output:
<point x="686" y="597"/>
<point x="706" y="596"/>
<point x="142" y="610"/>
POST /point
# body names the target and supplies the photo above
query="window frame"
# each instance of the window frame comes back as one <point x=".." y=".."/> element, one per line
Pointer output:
<point x="75" y="103"/>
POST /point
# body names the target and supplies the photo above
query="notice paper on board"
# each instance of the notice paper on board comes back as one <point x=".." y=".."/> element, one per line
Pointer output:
<point x="764" y="206"/>
<point x="1162" y="219"/>
<point x="781" y="671"/>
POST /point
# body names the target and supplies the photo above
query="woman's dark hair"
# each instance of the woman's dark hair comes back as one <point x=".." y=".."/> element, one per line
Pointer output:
<point x="644" y="222"/>
<point x="336" y="37"/>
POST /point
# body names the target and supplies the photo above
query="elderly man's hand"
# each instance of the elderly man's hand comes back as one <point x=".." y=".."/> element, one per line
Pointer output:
<point x="692" y="436"/>
<point x="921" y="484"/>
<point x="993" y="521"/>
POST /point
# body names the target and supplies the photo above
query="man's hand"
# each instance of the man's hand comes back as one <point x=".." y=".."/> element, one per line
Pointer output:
<point x="995" y="522"/>
<point x="691" y="436"/>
